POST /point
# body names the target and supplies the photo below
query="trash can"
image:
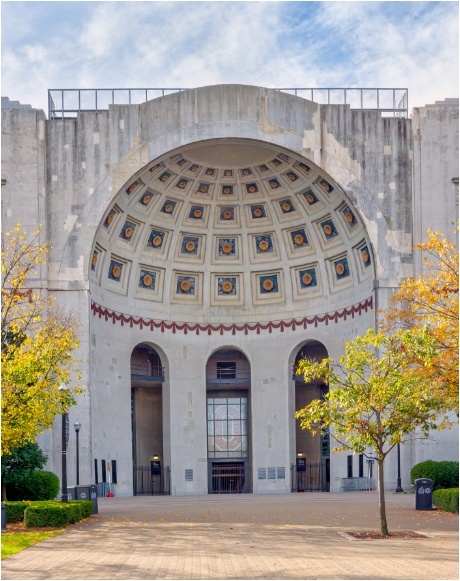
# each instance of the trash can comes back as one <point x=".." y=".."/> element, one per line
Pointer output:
<point x="423" y="488"/>
<point x="82" y="492"/>
<point x="71" y="493"/>
<point x="93" y="497"/>
<point x="87" y="492"/>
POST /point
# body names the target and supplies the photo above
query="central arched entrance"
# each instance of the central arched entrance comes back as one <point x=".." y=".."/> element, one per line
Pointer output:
<point x="228" y="384"/>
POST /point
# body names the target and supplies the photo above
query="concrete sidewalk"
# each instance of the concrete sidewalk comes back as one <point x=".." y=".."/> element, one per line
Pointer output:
<point x="295" y="536"/>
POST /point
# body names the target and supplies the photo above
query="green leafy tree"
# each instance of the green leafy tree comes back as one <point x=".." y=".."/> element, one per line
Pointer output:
<point x="20" y="463"/>
<point x="38" y="341"/>
<point x="376" y="396"/>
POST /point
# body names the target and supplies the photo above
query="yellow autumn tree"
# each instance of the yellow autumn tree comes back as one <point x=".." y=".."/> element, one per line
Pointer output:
<point x="38" y="341"/>
<point x="432" y="299"/>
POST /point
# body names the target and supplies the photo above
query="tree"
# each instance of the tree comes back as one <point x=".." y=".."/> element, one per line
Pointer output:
<point x="376" y="397"/>
<point x="38" y="340"/>
<point x="21" y="462"/>
<point x="432" y="299"/>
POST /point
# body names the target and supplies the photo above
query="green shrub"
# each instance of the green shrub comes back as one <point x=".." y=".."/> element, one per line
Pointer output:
<point x="74" y="511"/>
<point x="15" y="510"/>
<point x="56" y="515"/>
<point x="86" y="507"/>
<point x="35" y="485"/>
<point x="444" y="474"/>
<point x="446" y="499"/>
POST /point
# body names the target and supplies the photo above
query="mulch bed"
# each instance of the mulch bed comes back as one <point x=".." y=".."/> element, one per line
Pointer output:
<point x="18" y="527"/>
<point x="393" y="535"/>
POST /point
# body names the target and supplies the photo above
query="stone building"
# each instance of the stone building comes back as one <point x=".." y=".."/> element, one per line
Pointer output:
<point x="207" y="239"/>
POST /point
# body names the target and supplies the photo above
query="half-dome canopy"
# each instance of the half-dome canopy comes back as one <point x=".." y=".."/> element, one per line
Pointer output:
<point x="230" y="230"/>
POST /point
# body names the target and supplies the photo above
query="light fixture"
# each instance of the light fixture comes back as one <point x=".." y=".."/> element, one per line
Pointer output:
<point x="77" y="427"/>
<point x="299" y="454"/>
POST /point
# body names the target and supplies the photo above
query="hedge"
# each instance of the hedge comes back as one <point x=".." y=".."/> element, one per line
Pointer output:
<point x="15" y="510"/>
<point x="444" y="474"/>
<point x="86" y="507"/>
<point x="446" y="499"/>
<point x="35" y="485"/>
<point x="48" y="513"/>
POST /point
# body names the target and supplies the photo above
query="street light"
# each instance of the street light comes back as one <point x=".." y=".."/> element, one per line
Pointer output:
<point x="77" y="427"/>
<point x="65" y="439"/>
<point x="398" y="481"/>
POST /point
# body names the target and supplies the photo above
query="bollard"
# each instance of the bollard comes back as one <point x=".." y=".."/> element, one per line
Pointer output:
<point x="3" y="517"/>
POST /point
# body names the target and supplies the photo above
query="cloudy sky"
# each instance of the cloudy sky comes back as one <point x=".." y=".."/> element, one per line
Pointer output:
<point x="191" y="44"/>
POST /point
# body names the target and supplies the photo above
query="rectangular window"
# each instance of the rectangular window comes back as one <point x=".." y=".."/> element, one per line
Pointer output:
<point x="96" y="475"/>
<point x="104" y="472"/>
<point x="189" y="475"/>
<point x="361" y="465"/>
<point x="227" y="427"/>
<point x="226" y="370"/>
<point x="349" y="466"/>
<point x="114" y="471"/>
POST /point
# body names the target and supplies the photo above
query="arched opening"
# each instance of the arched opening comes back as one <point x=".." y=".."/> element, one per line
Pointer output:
<point x="216" y="237"/>
<point x="150" y="474"/>
<point x="311" y="470"/>
<point x="228" y="385"/>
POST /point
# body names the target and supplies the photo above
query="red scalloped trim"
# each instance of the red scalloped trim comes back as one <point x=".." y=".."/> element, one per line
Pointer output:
<point x="293" y="324"/>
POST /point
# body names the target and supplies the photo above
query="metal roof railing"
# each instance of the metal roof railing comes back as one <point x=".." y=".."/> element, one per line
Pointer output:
<point x="67" y="103"/>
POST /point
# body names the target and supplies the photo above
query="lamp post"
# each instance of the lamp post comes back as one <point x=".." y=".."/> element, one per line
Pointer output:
<point x="369" y="462"/>
<point x="65" y="439"/>
<point x="398" y="481"/>
<point x="77" y="427"/>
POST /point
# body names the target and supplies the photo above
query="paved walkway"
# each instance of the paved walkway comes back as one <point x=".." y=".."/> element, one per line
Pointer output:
<point x="295" y="536"/>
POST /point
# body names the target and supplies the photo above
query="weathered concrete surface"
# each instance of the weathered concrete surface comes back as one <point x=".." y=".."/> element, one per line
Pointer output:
<point x="245" y="537"/>
<point x="398" y="174"/>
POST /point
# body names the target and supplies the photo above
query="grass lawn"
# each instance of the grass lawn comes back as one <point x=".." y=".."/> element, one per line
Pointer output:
<point x="15" y="541"/>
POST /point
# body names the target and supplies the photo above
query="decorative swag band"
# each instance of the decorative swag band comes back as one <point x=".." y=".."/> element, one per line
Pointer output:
<point x="246" y="328"/>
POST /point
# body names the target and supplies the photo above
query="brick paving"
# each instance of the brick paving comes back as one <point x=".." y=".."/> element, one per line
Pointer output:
<point x="295" y="536"/>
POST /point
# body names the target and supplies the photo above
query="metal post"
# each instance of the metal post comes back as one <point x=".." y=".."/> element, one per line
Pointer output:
<point x="65" y="424"/>
<point x="77" y="427"/>
<point x="398" y="481"/>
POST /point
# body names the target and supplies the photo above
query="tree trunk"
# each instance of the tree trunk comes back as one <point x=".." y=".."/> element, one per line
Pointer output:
<point x="3" y="492"/>
<point x="383" y="514"/>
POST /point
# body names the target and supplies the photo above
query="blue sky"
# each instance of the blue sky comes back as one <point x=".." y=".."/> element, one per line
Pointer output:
<point x="191" y="44"/>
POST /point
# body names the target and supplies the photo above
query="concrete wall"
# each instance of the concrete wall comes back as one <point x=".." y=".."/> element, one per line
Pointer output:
<point x="64" y="174"/>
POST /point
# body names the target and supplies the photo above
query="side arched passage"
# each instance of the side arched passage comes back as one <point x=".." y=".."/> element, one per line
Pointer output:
<point x="311" y="470"/>
<point x="150" y="473"/>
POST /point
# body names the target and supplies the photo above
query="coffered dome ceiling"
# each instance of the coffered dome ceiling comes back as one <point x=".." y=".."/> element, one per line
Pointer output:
<point x="229" y="230"/>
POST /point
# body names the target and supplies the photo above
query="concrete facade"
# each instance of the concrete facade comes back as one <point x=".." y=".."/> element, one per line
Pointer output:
<point x="222" y="224"/>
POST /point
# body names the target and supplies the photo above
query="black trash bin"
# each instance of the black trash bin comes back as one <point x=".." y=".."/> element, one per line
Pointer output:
<point x="82" y="492"/>
<point x="87" y="492"/>
<point x="423" y="488"/>
<point x="93" y="497"/>
<point x="71" y="493"/>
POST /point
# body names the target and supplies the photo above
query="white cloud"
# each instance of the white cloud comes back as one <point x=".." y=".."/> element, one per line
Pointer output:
<point x="190" y="44"/>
